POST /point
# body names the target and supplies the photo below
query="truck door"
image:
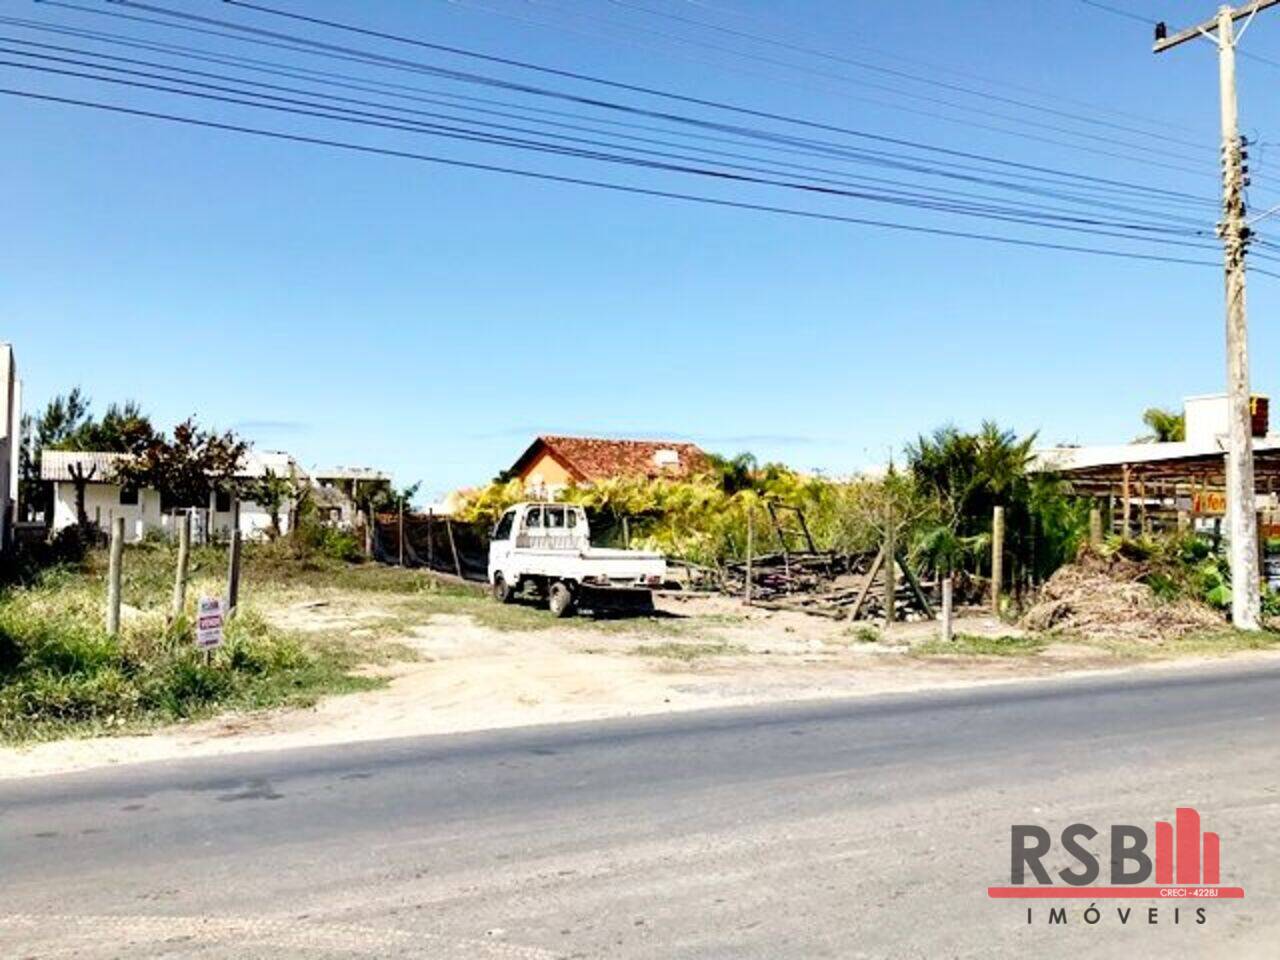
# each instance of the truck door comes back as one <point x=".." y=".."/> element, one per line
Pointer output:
<point x="500" y="543"/>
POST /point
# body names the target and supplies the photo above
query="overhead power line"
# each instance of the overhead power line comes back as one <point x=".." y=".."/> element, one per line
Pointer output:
<point x="371" y="57"/>
<point x="491" y="124"/>
<point x="776" y="22"/>
<point x="606" y="185"/>
<point x="979" y="203"/>
<point x="959" y="170"/>
<point x="1018" y="127"/>
<point x="675" y="165"/>
<point x="1083" y="118"/>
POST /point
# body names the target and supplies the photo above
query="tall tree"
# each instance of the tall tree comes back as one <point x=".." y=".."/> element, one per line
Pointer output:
<point x="186" y="468"/>
<point x="66" y="423"/>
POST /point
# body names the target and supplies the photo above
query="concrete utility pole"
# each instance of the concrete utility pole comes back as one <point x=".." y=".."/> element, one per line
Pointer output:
<point x="1242" y="517"/>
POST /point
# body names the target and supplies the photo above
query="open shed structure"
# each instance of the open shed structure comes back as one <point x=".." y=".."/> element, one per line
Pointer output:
<point x="1145" y="487"/>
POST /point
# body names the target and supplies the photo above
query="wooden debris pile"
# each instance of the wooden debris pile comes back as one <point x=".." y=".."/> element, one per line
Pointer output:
<point x="827" y="584"/>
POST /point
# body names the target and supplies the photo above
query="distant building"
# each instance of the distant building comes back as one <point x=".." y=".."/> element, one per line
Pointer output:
<point x="1150" y="484"/>
<point x="338" y="491"/>
<point x="1200" y="454"/>
<point x="10" y="442"/>
<point x="145" y="510"/>
<point x="552" y="463"/>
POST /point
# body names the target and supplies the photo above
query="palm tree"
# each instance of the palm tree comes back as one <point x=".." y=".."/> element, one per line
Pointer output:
<point x="1166" y="426"/>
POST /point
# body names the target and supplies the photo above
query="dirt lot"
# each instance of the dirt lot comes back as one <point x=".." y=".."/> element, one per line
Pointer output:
<point x="459" y="662"/>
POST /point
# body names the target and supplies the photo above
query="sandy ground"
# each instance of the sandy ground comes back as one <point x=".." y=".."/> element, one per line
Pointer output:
<point x="466" y="676"/>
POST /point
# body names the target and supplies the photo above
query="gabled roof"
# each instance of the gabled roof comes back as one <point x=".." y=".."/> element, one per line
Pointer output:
<point x="350" y="473"/>
<point x="99" y="465"/>
<point x="589" y="459"/>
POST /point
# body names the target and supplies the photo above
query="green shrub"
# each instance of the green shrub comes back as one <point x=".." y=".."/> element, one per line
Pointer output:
<point x="61" y="673"/>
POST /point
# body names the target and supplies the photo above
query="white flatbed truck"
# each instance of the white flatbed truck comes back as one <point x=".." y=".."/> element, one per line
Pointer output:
<point x="547" y="547"/>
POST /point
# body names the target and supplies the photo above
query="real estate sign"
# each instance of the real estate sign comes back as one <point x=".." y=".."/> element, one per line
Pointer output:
<point x="209" y="623"/>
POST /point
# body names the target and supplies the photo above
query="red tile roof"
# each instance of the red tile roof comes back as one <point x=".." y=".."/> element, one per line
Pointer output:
<point x="589" y="459"/>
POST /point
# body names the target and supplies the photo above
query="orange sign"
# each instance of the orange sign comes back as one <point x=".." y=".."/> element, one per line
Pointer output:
<point x="1209" y="501"/>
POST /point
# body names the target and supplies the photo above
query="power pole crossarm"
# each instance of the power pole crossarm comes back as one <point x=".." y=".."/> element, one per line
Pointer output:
<point x="1202" y="29"/>
<point x="1242" y="518"/>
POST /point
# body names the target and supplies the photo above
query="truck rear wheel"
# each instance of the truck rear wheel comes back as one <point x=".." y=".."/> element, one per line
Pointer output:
<point x="560" y="599"/>
<point x="502" y="591"/>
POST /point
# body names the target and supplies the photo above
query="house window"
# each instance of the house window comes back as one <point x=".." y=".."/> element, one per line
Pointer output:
<point x="222" y="501"/>
<point x="128" y="496"/>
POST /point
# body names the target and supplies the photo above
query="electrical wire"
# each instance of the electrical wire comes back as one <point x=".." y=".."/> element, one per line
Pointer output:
<point x="1080" y="191"/>
<point x="606" y="185"/>
<point x="985" y="203"/>
<point x="395" y="62"/>
<point x="905" y="75"/>
<point x="633" y="87"/>
<point x="296" y="107"/>
<point x="776" y="77"/>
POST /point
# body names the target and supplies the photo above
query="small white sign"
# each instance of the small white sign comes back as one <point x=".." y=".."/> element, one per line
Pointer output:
<point x="209" y="623"/>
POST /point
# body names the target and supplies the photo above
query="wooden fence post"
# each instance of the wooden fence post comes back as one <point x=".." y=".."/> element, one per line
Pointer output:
<point x="233" y="560"/>
<point x="1095" y="528"/>
<point x="113" y="576"/>
<point x="890" y="568"/>
<point x="946" y="610"/>
<point x="626" y="533"/>
<point x="431" y="534"/>
<point x="1128" y="504"/>
<point x="184" y="561"/>
<point x="997" y="558"/>
<point x="400" y="538"/>
<point x="750" y="547"/>
<point x="453" y="547"/>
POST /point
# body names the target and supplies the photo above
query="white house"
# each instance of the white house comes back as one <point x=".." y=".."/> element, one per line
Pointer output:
<point x="10" y="442"/>
<point x="144" y="510"/>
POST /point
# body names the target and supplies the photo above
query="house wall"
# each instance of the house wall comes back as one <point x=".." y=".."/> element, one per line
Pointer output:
<point x="546" y="472"/>
<point x="10" y="438"/>
<point x="102" y="505"/>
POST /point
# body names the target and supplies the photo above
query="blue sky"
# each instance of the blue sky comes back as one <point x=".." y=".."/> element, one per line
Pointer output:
<point x="431" y="320"/>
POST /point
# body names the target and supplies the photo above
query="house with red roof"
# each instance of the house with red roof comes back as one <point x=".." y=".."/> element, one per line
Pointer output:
<point x="552" y="463"/>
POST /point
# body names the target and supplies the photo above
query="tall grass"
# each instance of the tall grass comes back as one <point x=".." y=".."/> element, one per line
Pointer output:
<point x="62" y="674"/>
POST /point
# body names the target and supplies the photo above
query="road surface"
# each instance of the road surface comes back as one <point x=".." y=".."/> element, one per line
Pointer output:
<point x="866" y="828"/>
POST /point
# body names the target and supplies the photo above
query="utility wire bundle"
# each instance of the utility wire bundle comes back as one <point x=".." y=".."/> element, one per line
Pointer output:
<point x="306" y="84"/>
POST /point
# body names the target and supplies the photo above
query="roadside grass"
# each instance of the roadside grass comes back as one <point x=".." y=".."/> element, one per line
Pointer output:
<point x="1205" y="643"/>
<point x="973" y="645"/>
<point x="62" y="675"/>
<point x="862" y="633"/>
<point x="306" y="626"/>
<point x="686" y="652"/>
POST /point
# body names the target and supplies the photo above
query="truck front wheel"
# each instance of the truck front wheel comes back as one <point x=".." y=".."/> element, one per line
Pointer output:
<point x="503" y="592"/>
<point x="560" y="599"/>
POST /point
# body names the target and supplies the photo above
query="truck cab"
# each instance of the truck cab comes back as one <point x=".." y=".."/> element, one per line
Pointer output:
<point x="546" y="547"/>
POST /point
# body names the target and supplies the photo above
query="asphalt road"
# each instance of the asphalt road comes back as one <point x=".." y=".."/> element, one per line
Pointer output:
<point x="867" y="828"/>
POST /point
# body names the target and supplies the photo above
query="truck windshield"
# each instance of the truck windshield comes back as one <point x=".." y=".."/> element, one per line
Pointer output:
<point x="503" y="530"/>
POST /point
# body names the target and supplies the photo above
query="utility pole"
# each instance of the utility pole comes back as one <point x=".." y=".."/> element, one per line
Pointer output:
<point x="1242" y="517"/>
